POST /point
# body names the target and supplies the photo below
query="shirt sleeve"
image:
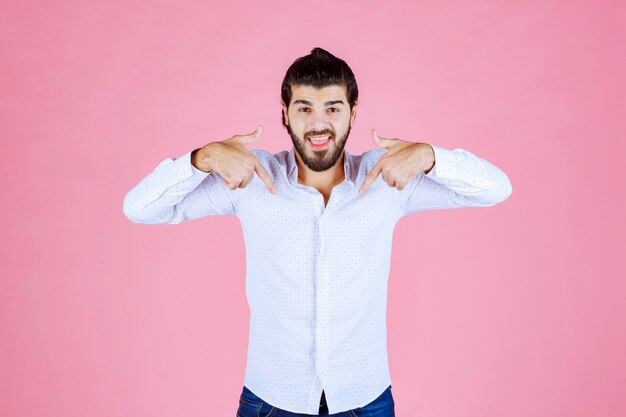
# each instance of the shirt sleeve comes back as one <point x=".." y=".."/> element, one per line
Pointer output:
<point x="176" y="191"/>
<point x="458" y="179"/>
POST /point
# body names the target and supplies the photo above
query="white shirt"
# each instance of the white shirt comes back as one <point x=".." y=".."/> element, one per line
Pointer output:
<point x="316" y="276"/>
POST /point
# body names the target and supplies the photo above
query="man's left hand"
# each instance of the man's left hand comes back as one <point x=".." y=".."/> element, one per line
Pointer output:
<point x="402" y="162"/>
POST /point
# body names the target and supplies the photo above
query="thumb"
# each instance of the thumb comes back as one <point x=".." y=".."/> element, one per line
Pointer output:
<point x="252" y="137"/>
<point x="382" y="142"/>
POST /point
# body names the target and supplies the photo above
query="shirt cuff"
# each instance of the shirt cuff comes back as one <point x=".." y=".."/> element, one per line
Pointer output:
<point x="184" y="161"/>
<point x="438" y="155"/>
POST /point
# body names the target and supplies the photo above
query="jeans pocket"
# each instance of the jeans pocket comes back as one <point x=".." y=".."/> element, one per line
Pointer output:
<point x="252" y="406"/>
<point x="383" y="406"/>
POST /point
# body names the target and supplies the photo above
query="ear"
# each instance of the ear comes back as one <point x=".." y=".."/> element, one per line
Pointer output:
<point x="286" y="114"/>
<point x="353" y="115"/>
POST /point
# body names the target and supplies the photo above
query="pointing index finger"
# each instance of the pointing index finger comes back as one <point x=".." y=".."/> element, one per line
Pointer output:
<point x="265" y="176"/>
<point x="371" y="176"/>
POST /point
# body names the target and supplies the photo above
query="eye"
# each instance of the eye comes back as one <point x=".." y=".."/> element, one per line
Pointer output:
<point x="335" y="109"/>
<point x="303" y="108"/>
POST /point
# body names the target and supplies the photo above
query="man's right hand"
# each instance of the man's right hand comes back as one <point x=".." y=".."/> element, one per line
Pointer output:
<point x="230" y="158"/>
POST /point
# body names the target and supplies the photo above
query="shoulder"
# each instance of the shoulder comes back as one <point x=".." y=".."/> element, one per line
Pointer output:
<point x="274" y="163"/>
<point x="373" y="154"/>
<point x="367" y="160"/>
<point x="268" y="158"/>
<point x="262" y="153"/>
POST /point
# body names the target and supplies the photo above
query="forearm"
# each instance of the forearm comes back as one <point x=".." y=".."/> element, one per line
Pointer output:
<point x="470" y="176"/>
<point x="154" y="199"/>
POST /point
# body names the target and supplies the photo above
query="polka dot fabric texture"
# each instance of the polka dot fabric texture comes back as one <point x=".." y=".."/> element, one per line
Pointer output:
<point x="316" y="274"/>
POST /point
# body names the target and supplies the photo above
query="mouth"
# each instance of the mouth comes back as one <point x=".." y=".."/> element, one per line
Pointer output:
<point x="320" y="142"/>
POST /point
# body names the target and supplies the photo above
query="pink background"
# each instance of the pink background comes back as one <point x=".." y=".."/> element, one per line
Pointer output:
<point x="514" y="310"/>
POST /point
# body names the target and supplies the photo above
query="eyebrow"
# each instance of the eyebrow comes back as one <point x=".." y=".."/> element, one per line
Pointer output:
<point x="328" y="103"/>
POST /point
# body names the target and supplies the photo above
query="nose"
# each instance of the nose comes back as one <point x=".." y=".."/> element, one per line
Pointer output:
<point x="319" y="124"/>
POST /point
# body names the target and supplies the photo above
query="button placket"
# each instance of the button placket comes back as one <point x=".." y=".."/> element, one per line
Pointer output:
<point x="323" y="291"/>
<point x="318" y="299"/>
<point x="321" y="288"/>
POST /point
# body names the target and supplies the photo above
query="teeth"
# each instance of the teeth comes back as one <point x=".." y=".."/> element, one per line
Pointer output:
<point x="320" y="138"/>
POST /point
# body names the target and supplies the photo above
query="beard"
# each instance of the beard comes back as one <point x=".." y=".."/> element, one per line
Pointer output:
<point x="321" y="160"/>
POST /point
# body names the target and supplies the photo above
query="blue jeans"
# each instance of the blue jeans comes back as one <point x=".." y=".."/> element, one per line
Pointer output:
<point x="252" y="406"/>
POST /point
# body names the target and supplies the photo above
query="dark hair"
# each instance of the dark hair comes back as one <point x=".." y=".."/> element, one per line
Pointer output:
<point x="319" y="69"/>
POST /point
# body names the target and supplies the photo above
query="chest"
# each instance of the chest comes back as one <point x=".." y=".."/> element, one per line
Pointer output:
<point x="301" y="219"/>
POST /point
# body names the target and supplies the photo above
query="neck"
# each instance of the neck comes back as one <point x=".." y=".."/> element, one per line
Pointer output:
<point x="321" y="180"/>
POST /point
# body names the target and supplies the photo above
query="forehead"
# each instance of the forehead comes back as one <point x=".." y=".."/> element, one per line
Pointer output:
<point x="321" y="95"/>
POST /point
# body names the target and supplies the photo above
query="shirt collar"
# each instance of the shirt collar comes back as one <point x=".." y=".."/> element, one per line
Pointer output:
<point x="292" y="167"/>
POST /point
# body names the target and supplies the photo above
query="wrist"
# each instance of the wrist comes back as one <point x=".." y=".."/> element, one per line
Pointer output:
<point x="200" y="159"/>
<point x="430" y="158"/>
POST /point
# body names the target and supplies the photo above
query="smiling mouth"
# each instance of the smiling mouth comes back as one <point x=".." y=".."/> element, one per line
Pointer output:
<point x="319" y="140"/>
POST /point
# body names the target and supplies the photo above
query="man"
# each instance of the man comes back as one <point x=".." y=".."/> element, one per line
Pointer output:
<point x="318" y="224"/>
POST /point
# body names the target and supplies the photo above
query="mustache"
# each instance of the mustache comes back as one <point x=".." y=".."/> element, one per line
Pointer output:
<point x="320" y="133"/>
